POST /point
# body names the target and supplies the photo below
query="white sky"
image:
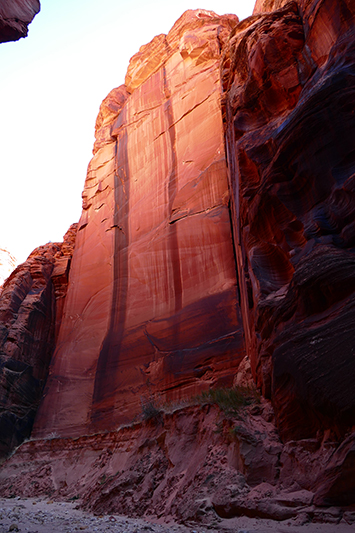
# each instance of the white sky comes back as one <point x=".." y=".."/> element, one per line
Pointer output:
<point x="51" y="87"/>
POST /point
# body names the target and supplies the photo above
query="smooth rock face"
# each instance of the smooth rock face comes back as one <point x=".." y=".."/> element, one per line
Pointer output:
<point x="15" y="16"/>
<point x="30" y="311"/>
<point x="289" y="82"/>
<point x="7" y="265"/>
<point x="152" y="305"/>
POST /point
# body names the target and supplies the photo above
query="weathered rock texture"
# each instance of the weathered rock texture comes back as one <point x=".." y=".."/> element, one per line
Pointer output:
<point x="30" y="313"/>
<point x="195" y="464"/>
<point x="289" y="88"/>
<point x="152" y="305"/>
<point x="7" y="265"/>
<point x="182" y="265"/>
<point x="266" y="6"/>
<point x="15" y="17"/>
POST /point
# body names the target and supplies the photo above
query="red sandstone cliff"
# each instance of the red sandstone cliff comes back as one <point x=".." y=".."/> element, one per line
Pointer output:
<point x="30" y="313"/>
<point x="288" y="81"/>
<point x="218" y="220"/>
<point x="15" y="17"/>
<point x="152" y="303"/>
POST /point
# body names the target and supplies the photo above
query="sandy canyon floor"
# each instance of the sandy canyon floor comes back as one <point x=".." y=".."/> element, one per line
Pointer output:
<point x="45" y="516"/>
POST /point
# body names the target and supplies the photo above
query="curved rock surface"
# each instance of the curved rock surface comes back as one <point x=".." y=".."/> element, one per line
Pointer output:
<point x="152" y="304"/>
<point x="15" y="17"/>
<point x="289" y="83"/>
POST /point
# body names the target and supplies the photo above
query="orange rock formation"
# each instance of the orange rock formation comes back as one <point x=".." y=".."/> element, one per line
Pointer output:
<point x="153" y="300"/>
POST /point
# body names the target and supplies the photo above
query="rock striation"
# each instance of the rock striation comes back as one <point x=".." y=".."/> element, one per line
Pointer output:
<point x="196" y="464"/>
<point x="30" y="314"/>
<point x="152" y="305"/>
<point x="288" y="82"/>
<point x="15" y="17"/>
<point x="216" y="246"/>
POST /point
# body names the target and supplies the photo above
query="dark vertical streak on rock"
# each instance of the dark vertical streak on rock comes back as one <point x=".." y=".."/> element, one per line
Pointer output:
<point x="231" y="220"/>
<point x="172" y="185"/>
<point x="233" y="179"/>
<point x="106" y="375"/>
<point x="175" y="360"/>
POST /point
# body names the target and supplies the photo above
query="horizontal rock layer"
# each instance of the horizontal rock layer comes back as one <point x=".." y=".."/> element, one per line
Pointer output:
<point x="193" y="463"/>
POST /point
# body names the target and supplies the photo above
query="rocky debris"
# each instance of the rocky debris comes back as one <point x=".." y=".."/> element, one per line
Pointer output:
<point x="30" y="307"/>
<point x="7" y="265"/>
<point x="42" y="516"/>
<point x="198" y="464"/>
<point x="15" y="17"/>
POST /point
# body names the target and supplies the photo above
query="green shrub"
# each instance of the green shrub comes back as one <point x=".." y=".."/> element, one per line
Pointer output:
<point x="150" y="409"/>
<point x="230" y="401"/>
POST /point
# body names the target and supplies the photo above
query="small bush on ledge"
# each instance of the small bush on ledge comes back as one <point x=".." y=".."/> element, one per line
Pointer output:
<point x="151" y="412"/>
<point x="230" y="401"/>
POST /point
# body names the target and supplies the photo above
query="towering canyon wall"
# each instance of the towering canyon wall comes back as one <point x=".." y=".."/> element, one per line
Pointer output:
<point x="15" y="17"/>
<point x="288" y="81"/>
<point x="218" y="221"/>
<point x="152" y="306"/>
